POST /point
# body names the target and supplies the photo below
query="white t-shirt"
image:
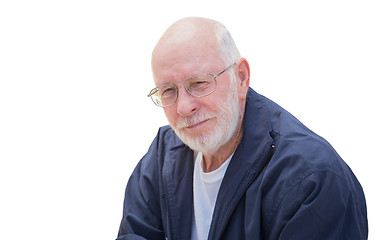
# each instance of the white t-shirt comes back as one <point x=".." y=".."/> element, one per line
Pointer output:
<point x="205" y="189"/>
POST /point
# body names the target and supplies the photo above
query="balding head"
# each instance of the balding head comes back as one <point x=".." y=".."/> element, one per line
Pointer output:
<point x="201" y="39"/>
<point x="186" y="38"/>
<point x="186" y="30"/>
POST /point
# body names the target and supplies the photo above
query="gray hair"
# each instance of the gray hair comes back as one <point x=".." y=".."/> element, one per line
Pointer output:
<point x="227" y="48"/>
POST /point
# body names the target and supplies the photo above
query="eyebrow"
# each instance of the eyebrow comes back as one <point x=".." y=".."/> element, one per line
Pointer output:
<point x="194" y="76"/>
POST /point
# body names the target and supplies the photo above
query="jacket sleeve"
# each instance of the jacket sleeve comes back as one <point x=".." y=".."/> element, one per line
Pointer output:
<point x="141" y="211"/>
<point x="320" y="206"/>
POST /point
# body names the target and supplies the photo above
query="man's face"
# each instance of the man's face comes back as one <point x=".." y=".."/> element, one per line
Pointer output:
<point x="206" y="123"/>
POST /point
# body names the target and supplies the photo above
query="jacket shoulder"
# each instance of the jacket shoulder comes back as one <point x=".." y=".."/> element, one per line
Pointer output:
<point x="304" y="168"/>
<point x="294" y="142"/>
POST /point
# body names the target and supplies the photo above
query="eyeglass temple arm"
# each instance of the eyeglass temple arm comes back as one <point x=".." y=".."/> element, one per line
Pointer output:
<point x="225" y="69"/>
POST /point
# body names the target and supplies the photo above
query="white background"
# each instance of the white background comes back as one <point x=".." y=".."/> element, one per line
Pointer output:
<point x="75" y="119"/>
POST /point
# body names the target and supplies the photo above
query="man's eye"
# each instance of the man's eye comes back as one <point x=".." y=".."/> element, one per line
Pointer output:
<point x="199" y="84"/>
<point x="167" y="92"/>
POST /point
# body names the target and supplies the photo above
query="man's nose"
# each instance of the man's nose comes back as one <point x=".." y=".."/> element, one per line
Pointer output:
<point x="186" y="103"/>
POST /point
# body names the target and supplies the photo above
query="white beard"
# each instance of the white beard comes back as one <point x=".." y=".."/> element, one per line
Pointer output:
<point x="227" y="120"/>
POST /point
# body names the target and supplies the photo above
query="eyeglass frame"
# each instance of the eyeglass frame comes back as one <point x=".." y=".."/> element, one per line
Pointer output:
<point x="152" y="92"/>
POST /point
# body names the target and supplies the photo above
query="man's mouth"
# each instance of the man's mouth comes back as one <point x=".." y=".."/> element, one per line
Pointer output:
<point x="197" y="124"/>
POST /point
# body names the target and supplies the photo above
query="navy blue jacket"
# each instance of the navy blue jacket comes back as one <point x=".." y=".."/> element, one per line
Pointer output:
<point x="283" y="182"/>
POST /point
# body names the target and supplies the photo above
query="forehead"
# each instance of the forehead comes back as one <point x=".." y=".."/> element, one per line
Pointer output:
<point x="185" y="63"/>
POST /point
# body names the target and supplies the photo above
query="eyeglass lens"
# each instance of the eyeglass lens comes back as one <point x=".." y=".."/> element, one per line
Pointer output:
<point x="198" y="86"/>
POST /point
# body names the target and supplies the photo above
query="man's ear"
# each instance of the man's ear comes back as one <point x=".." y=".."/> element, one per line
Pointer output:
<point x="243" y="74"/>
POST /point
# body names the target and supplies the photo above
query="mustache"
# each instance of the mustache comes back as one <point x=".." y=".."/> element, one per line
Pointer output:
<point x="186" y="122"/>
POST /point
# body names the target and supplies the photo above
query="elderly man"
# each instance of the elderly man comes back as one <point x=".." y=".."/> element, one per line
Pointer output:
<point x="232" y="164"/>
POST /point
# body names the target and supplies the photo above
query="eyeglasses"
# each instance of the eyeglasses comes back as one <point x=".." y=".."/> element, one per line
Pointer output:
<point x="197" y="86"/>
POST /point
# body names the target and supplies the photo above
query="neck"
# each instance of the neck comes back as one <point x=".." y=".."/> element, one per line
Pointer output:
<point x="213" y="160"/>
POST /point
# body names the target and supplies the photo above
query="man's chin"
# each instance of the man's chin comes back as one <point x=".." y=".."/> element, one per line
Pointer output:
<point x="201" y="143"/>
<point x="188" y="138"/>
